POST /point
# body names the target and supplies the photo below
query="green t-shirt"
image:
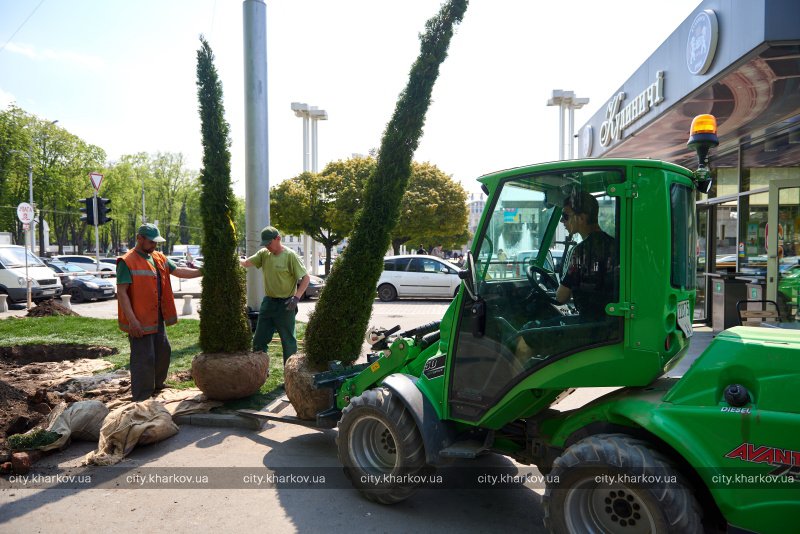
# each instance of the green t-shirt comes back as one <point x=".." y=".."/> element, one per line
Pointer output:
<point x="281" y="272"/>
<point x="124" y="272"/>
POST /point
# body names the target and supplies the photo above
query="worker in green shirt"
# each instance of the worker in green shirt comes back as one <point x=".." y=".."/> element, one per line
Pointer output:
<point x="285" y="282"/>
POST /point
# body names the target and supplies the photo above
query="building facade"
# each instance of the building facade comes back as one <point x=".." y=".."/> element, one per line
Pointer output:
<point x="740" y="61"/>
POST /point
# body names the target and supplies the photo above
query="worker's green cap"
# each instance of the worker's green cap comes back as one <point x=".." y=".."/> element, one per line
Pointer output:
<point x="150" y="231"/>
<point x="267" y="235"/>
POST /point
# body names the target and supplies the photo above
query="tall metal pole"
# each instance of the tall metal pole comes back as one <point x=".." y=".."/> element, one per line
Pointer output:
<point x="571" y="131"/>
<point x="30" y="198"/>
<point x="96" y="233"/>
<point x="561" y="131"/>
<point x="256" y="138"/>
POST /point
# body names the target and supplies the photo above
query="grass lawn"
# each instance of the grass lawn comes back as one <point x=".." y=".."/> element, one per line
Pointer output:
<point x="183" y="337"/>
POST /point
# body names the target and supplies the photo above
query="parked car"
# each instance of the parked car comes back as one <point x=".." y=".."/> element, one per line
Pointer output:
<point x="179" y="261"/>
<point x="80" y="284"/>
<point x="44" y="282"/>
<point x="314" y="288"/>
<point x="417" y="275"/>
<point x="88" y="263"/>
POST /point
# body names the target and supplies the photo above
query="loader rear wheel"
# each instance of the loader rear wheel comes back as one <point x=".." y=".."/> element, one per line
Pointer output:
<point x="615" y="483"/>
<point x="380" y="447"/>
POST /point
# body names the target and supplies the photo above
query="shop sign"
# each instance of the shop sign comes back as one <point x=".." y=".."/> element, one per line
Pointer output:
<point x="618" y="118"/>
<point x="702" y="42"/>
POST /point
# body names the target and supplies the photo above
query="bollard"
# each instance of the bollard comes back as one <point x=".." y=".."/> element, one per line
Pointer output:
<point x="3" y="303"/>
<point x="187" y="305"/>
<point x="65" y="300"/>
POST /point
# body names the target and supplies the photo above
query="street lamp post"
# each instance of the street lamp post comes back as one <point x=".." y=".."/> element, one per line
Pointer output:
<point x="566" y="100"/>
<point x="312" y="114"/>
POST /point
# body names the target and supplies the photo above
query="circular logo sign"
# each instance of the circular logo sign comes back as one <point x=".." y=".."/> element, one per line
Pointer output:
<point x="702" y="42"/>
<point x="25" y="213"/>
<point x="586" y="141"/>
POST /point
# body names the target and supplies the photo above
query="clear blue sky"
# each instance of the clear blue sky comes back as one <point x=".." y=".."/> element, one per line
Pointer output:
<point x="121" y="73"/>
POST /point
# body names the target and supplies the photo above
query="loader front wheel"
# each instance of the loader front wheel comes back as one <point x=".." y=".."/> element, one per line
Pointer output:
<point x="616" y="483"/>
<point x="380" y="447"/>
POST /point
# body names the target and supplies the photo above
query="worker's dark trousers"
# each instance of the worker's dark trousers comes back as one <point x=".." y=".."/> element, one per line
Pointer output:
<point x="273" y="316"/>
<point x="149" y="363"/>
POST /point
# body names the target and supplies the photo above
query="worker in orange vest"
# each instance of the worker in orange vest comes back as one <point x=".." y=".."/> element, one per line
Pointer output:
<point x="145" y="305"/>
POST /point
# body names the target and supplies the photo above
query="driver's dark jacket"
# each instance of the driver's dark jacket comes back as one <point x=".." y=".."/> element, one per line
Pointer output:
<point x="593" y="276"/>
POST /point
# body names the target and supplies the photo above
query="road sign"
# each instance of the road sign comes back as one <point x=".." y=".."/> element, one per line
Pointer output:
<point x="97" y="179"/>
<point x="25" y="213"/>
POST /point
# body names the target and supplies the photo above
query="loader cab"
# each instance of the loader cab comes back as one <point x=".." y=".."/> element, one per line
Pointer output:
<point x="555" y="320"/>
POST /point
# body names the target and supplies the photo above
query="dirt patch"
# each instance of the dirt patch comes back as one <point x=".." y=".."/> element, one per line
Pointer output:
<point x="36" y="378"/>
<point x="180" y="376"/>
<point x="54" y="353"/>
<point x="48" y="308"/>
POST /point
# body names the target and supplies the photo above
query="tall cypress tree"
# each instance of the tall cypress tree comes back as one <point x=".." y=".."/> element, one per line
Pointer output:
<point x="224" y="326"/>
<point x="337" y="326"/>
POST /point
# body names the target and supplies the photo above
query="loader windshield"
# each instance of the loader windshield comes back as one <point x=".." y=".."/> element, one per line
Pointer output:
<point x="546" y="272"/>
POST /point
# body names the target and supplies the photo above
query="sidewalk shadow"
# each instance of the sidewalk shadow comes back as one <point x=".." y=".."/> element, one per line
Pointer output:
<point x="456" y="503"/>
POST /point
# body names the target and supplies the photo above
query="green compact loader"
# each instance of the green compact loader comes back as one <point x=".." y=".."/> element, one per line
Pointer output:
<point x="714" y="450"/>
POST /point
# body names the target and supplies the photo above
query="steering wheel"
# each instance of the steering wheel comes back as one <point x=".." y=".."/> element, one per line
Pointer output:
<point x="539" y="288"/>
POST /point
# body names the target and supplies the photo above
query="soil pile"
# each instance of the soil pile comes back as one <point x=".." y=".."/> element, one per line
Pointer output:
<point x="48" y="308"/>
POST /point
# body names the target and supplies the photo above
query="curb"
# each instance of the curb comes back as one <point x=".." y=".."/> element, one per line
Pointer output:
<point x="220" y="420"/>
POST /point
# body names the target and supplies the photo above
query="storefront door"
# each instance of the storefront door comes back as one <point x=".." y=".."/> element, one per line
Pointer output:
<point x="783" y="245"/>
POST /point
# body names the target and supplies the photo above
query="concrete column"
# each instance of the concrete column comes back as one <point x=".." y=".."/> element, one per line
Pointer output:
<point x="256" y="138"/>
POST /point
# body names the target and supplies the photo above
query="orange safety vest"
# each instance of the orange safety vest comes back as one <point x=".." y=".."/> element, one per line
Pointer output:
<point x="143" y="292"/>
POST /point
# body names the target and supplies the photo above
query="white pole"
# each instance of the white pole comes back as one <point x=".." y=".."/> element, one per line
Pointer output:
<point x="561" y="131"/>
<point x="571" y="131"/>
<point x="256" y="138"/>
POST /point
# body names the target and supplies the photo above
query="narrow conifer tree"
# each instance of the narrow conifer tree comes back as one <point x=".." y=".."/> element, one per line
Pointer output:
<point x="337" y="326"/>
<point x="224" y="326"/>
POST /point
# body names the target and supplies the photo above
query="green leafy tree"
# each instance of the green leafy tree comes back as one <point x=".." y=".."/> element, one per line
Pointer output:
<point x="310" y="204"/>
<point x="337" y="325"/>
<point x="224" y="326"/>
<point x="433" y="210"/>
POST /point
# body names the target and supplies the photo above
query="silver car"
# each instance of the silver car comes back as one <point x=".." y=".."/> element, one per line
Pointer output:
<point x="417" y="275"/>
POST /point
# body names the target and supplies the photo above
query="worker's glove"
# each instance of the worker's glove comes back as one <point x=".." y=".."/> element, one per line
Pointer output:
<point x="291" y="303"/>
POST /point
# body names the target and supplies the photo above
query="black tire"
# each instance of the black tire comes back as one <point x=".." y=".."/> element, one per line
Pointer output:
<point x="77" y="295"/>
<point x="652" y="497"/>
<point x="379" y="440"/>
<point x="387" y="292"/>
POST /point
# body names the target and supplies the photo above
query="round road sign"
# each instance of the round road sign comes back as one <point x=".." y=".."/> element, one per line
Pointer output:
<point x="25" y="213"/>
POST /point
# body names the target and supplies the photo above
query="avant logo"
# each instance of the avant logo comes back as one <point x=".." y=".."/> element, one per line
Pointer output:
<point x="617" y="120"/>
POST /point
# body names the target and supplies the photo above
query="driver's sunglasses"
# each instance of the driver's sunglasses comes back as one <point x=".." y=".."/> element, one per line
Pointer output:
<point x="564" y="217"/>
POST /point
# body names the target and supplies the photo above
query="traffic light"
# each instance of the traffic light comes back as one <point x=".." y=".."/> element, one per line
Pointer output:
<point x="103" y="210"/>
<point x="87" y="210"/>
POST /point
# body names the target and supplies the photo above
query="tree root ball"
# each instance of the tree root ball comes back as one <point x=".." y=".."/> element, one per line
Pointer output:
<point x="298" y="381"/>
<point x="230" y="375"/>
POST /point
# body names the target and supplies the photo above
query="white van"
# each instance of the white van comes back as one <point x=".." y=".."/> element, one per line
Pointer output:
<point x="44" y="282"/>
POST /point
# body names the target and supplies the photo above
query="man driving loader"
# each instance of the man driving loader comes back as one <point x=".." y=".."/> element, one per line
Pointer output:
<point x="590" y="279"/>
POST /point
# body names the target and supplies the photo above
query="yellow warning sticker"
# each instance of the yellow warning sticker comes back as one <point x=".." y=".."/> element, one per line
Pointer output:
<point x="375" y="366"/>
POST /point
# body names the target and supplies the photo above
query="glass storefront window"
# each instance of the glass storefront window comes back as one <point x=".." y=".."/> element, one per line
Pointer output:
<point x="752" y="231"/>
<point x="702" y="232"/>
<point x="727" y="217"/>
